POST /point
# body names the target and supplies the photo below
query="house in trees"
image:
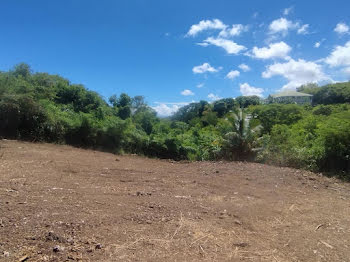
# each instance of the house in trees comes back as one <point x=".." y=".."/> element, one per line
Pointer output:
<point x="290" y="97"/>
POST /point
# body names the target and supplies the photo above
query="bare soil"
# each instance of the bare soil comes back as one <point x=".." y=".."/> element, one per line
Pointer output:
<point x="59" y="203"/>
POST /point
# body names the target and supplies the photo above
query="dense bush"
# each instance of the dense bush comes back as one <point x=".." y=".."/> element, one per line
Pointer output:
<point x="43" y="107"/>
<point x="317" y="143"/>
<point x="337" y="93"/>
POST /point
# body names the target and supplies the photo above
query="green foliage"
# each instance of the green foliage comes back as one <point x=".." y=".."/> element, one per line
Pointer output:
<point x="43" y="107"/>
<point x="246" y="101"/>
<point x="273" y="114"/>
<point x="22" y="70"/>
<point x="338" y="93"/>
<point x="191" y="111"/>
<point x="319" y="143"/>
<point x="238" y="142"/>
<point x="223" y="106"/>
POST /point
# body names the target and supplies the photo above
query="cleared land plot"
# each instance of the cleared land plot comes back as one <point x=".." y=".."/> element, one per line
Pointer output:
<point x="59" y="203"/>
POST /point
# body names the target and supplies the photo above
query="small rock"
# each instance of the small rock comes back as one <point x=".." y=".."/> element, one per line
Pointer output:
<point x="70" y="240"/>
<point x="98" y="246"/>
<point x="238" y="222"/>
<point x="57" y="249"/>
<point x="6" y="254"/>
<point x="242" y="244"/>
<point x="24" y="258"/>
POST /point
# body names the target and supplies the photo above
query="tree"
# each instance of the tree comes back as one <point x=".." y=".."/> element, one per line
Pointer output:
<point x="273" y="114"/>
<point x="145" y="119"/>
<point x="223" y="106"/>
<point x="238" y="142"/>
<point x="246" y="101"/>
<point x="113" y="100"/>
<point x="22" y="69"/>
<point x="124" y="106"/>
<point x="138" y="103"/>
<point x="190" y="111"/>
<point x="124" y="100"/>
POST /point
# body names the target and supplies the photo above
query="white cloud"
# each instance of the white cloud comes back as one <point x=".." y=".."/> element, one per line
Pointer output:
<point x="248" y="90"/>
<point x="206" y="67"/>
<point x="167" y="109"/>
<point x="244" y="67"/>
<point x="340" y="56"/>
<point x="203" y="25"/>
<point x="187" y="92"/>
<point x="234" y="30"/>
<point x="288" y="10"/>
<point x="319" y="43"/>
<point x="216" y="24"/>
<point x="341" y="28"/>
<point x="303" y="30"/>
<point x="233" y="74"/>
<point x="296" y="72"/>
<point x="282" y="25"/>
<point x="200" y="85"/>
<point x="275" y="50"/>
<point x="230" y="46"/>
<point x="202" y="44"/>
<point x="213" y="97"/>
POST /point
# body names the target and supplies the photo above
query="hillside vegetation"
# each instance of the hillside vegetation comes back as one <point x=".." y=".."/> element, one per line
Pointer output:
<point x="44" y="107"/>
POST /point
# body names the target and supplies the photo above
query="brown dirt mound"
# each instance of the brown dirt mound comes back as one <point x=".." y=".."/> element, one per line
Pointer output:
<point x="59" y="203"/>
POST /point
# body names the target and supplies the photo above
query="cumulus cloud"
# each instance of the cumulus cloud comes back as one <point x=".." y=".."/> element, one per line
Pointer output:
<point x="234" y="30"/>
<point x="296" y="72"/>
<point x="167" y="109"/>
<point x="216" y="24"/>
<point x="303" y="30"/>
<point x="248" y="90"/>
<point x="206" y="67"/>
<point x="341" y="28"/>
<point x="282" y="25"/>
<point x="233" y="74"/>
<point x="187" y="92"/>
<point x="275" y="50"/>
<point x="229" y="46"/>
<point x="340" y="56"/>
<point x="213" y="97"/>
<point x="200" y="85"/>
<point x="204" y="25"/>
<point x="244" y="67"/>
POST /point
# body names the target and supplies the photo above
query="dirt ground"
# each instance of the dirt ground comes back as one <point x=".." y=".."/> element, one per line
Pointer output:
<point x="59" y="203"/>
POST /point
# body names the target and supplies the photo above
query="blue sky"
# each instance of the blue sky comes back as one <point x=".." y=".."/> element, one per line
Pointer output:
<point x="175" y="52"/>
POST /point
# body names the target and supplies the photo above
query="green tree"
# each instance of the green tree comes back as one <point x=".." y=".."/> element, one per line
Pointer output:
<point x="22" y="69"/>
<point x="238" y="143"/>
<point x="124" y="106"/>
<point x="246" y="101"/>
